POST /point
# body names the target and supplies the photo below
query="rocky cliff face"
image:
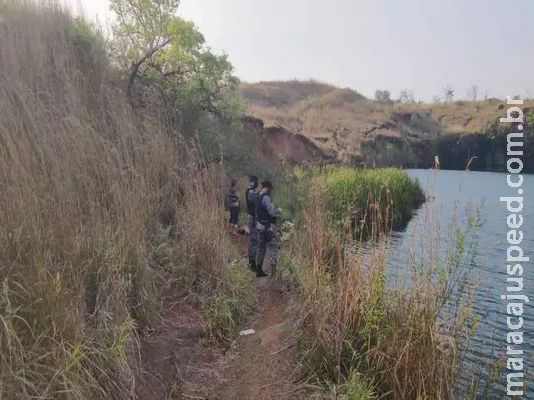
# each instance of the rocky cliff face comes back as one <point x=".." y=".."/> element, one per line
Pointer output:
<point x="456" y="150"/>
<point x="278" y="143"/>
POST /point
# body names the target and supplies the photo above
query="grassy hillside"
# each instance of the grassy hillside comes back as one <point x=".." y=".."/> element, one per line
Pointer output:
<point x="108" y="213"/>
<point x="355" y="129"/>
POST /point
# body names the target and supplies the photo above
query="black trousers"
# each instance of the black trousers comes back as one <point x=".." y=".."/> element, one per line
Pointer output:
<point x="234" y="215"/>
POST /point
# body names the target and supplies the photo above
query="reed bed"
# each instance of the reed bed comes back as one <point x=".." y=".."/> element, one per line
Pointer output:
<point x="365" y="199"/>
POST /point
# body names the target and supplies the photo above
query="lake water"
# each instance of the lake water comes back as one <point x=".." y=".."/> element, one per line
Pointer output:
<point x="454" y="195"/>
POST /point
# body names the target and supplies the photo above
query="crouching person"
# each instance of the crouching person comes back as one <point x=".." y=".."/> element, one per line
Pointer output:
<point x="266" y="214"/>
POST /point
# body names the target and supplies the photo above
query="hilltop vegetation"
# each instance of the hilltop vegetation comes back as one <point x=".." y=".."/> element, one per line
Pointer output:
<point x="347" y="126"/>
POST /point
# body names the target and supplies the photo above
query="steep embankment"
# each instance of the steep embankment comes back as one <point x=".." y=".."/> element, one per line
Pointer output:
<point x="347" y="127"/>
<point x="108" y="214"/>
<point x="279" y="144"/>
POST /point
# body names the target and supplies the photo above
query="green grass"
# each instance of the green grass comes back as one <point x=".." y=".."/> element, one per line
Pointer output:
<point x="359" y="388"/>
<point x="227" y="309"/>
<point x="356" y="198"/>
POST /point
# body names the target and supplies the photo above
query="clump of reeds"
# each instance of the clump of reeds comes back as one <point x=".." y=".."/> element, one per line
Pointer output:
<point x="368" y="200"/>
<point x="401" y="340"/>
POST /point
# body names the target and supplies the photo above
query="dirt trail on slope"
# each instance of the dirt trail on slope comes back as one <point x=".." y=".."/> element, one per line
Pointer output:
<point x="181" y="363"/>
<point x="267" y="366"/>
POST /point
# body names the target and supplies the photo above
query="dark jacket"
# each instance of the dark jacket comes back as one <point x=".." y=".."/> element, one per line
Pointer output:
<point x="266" y="212"/>
<point x="251" y="197"/>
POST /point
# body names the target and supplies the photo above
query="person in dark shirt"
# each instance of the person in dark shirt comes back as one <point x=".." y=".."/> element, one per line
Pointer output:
<point x="266" y="214"/>
<point x="233" y="204"/>
<point x="250" y="197"/>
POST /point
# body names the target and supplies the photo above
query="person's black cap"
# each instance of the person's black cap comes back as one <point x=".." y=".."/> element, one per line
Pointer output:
<point x="267" y="184"/>
<point x="254" y="179"/>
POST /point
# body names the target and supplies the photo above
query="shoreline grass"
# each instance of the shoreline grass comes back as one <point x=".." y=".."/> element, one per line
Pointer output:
<point x="365" y="337"/>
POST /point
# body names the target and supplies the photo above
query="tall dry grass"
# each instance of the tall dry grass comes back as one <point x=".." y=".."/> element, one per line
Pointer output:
<point x="102" y="208"/>
<point x="373" y="335"/>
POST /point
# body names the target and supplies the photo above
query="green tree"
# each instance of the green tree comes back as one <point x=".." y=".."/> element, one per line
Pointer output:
<point x="155" y="46"/>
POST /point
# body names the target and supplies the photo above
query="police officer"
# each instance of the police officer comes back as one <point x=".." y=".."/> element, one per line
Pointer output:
<point x="266" y="214"/>
<point x="251" y="196"/>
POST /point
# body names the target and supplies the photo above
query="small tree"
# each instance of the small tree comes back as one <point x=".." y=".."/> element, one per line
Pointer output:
<point x="448" y="93"/>
<point x="156" y="46"/>
<point x="383" y="96"/>
<point x="473" y="93"/>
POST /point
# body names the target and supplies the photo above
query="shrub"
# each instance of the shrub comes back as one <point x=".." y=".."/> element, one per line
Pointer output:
<point x="383" y="96"/>
<point x="358" y="388"/>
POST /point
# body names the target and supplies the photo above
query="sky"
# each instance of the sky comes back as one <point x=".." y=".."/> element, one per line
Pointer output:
<point x="418" y="45"/>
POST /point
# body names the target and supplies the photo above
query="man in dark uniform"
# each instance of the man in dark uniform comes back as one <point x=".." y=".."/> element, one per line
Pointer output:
<point x="266" y="214"/>
<point x="251" y="196"/>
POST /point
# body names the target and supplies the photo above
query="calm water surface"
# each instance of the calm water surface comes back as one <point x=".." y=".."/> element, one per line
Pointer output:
<point x="452" y="194"/>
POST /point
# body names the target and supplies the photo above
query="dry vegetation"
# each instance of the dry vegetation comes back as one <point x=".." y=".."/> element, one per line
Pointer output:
<point x="102" y="211"/>
<point x="341" y="121"/>
<point x="366" y="333"/>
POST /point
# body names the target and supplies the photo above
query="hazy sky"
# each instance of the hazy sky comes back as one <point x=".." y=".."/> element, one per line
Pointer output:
<point x="421" y="45"/>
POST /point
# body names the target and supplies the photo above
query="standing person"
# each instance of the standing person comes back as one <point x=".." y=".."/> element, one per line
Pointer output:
<point x="233" y="204"/>
<point x="250" y="197"/>
<point x="266" y="214"/>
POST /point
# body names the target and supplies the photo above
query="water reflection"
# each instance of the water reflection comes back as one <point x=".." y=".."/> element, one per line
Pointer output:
<point x="453" y="198"/>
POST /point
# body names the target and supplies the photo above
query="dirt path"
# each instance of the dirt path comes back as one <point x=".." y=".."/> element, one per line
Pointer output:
<point x="267" y="363"/>
<point x="180" y="363"/>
